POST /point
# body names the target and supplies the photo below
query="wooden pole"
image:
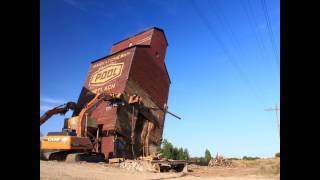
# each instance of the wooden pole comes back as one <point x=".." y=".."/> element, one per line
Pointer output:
<point x="276" y="109"/>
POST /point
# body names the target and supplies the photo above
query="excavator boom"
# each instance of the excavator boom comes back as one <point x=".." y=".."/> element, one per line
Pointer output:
<point x="62" y="109"/>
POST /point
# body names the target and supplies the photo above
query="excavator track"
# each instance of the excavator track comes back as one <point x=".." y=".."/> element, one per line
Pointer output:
<point x="70" y="157"/>
<point x="87" y="157"/>
<point x="74" y="157"/>
<point x="54" y="155"/>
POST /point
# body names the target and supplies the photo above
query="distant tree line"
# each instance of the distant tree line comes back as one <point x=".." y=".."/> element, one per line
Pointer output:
<point x="169" y="151"/>
<point x="249" y="158"/>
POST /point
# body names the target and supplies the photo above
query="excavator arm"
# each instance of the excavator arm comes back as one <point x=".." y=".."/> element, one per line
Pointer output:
<point x="62" y="109"/>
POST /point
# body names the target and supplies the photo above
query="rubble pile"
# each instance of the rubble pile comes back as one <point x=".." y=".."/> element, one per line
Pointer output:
<point x="136" y="165"/>
<point x="220" y="161"/>
<point x="154" y="163"/>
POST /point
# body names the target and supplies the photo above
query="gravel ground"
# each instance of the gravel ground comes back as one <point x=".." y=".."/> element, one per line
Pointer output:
<point x="52" y="170"/>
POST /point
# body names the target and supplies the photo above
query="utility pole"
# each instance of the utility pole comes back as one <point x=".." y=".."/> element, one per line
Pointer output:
<point x="277" y="110"/>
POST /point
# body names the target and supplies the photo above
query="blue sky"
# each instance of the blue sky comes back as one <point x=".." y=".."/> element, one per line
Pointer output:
<point x="222" y="63"/>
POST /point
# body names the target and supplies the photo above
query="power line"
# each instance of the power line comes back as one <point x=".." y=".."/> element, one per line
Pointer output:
<point x="252" y="23"/>
<point x="271" y="34"/>
<point x="222" y="45"/>
<point x="230" y="58"/>
<point x="258" y="34"/>
<point x="251" y="11"/>
<point x="269" y="26"/>
<point x="224" y="22"/>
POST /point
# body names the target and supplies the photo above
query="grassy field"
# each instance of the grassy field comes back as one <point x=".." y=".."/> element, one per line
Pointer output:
<point x="259" y="168"/>
<point x="264" y="167"/>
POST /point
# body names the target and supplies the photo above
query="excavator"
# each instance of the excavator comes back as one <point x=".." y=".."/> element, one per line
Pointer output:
<point x="74" y="142"/>
<point x="79" y="139"/>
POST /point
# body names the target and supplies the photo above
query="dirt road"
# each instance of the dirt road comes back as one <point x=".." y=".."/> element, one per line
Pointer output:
<point x="80" y="171"/>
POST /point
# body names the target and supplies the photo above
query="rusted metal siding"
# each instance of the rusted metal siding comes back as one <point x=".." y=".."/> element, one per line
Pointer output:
<point x="140" y="39"/>
<point x="158" y="48"/>
<point x="107" y="146"/>
<point x="150" y="76"/>
<point x="105" y="115"/>
<point x="124" y="120"/>
<point x="153" y="37"/>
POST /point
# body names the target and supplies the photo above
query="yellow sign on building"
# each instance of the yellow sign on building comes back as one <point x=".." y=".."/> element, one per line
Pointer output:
<point x="106" y="74"/>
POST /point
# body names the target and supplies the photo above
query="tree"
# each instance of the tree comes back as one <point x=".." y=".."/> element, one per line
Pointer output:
<point x="174" y="154"/>
<point x="207" y="155"/>
<point x="186" y="154"/>
<point x="167" y="149"/>
<point x="180" y="154"/>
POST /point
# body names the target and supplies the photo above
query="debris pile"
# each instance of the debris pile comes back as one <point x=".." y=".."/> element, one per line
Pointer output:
<point x="136" y="165"/>
<point x="219" y="161"/>
<point x="154" y="163"/>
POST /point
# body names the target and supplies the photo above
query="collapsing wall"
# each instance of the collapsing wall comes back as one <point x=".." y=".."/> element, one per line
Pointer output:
<point x="134" y="67"/>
